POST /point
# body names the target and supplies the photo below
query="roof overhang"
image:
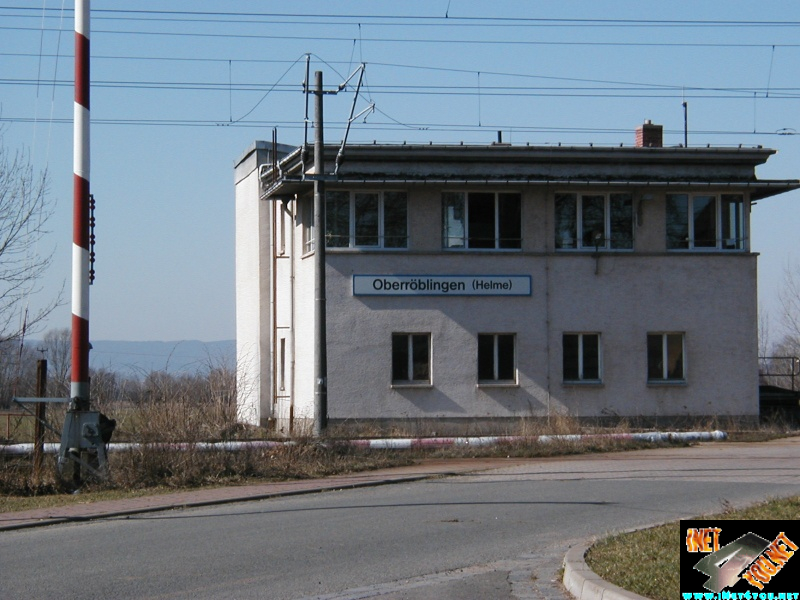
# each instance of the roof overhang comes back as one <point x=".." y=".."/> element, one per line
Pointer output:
<point x="530" y="166"/>
<point x="758" y="190"/>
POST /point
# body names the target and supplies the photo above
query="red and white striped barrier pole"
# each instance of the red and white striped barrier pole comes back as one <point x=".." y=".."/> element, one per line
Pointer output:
<point x="80" y="225"/>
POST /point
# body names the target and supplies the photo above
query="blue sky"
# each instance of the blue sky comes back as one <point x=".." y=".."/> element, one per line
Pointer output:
<point x="181" y="88"/>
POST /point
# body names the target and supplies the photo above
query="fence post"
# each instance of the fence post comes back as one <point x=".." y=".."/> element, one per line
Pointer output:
<point x="38" y="427"/>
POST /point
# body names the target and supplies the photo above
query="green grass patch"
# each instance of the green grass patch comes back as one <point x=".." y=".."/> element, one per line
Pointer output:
<point x="647" y="562"/>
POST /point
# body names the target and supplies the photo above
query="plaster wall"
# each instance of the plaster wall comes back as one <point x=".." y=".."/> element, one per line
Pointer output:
<point x="252" y="276"/>
<point x="711" y="298"/>
<point x="708" y="297"/>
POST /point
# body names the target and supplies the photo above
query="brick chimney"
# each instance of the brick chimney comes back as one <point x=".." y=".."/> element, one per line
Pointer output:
<point x="649" y="135"/>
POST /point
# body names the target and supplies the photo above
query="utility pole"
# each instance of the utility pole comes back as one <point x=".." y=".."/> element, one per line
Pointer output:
<point x="320" y="322"/>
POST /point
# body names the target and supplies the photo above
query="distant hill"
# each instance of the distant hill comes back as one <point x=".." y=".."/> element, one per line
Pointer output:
<point x="139" y="358"/>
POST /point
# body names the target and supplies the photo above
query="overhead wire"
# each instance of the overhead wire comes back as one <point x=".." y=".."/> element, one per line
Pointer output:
<point x="642" y="90"/>
<point x="419" y="40"/>
<point x="392" y="124"/>
<point x="598" y="89"/>
<point x="267" y="93"/>
<point x="188" y="16"/>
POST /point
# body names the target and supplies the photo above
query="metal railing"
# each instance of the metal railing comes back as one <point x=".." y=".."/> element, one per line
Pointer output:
<point x="781" y="367"/>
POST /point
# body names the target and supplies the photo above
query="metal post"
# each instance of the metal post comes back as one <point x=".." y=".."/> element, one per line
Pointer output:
<point x="79" y="390"/>
<point x="685" y="125"/>
<point x="38" y="426"/>
<point x="320" y="324"/>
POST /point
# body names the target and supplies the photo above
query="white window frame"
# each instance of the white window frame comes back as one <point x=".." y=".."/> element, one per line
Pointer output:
<point x="380" y="217"/>
<point x="740" y="243"/>
<point x="665" y="377"/>
<point x="581" y="370"/>
<point x="450" y="240"/>
<point x="606" y="242"/>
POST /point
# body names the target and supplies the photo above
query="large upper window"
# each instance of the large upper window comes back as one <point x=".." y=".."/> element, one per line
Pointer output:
<point x="594" y="221"/>
<point x="366" y="219"/>
<point x="705" y="221"/>
<point x="581" y="358"/>
<point x="665" y="358"/>
<point x="482" y="220"/>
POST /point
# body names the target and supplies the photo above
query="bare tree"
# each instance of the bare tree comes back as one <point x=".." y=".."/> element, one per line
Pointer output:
<point x="784" y="365"/>
<point x="24" y="211"/>
<point x="765" y="348"/>
<point x="58" y="343"/>
<point x="17" y="372"/>
<point x="790" y="303"/>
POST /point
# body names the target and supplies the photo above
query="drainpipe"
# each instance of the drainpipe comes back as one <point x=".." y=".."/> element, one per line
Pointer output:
<point x="547" y="258"/>
<point x="274" y="312"/>
<point x="292" y="345"/>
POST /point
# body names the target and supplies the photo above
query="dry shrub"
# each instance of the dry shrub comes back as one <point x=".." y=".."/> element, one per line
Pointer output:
<point x="16" y="477"/>
<point x="151" y="465"/>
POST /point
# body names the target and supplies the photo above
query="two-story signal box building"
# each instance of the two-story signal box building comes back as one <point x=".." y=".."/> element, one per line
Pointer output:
<point x="468" y="286"/>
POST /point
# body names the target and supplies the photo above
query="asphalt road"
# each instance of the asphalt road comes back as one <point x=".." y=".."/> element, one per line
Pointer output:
<point x="497" y="534"/>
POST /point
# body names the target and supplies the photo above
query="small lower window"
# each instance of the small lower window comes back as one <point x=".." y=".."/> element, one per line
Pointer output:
<point x="496" y="361"/>
<point x="665" y="357"/>
<point x="581" y="357"/>
<point x="411" y="358"/>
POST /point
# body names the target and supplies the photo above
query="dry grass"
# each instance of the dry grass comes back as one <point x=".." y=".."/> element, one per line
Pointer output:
<point x="154" y="466"/>
<point x="150" y="471"/>
<point x="165" y="410"/>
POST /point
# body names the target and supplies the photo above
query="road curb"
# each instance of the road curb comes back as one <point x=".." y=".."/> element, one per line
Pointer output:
<point x="585" y="584"/>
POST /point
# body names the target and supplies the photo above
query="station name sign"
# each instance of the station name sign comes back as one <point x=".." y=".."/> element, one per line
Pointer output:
<point x="441" y="285"/>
